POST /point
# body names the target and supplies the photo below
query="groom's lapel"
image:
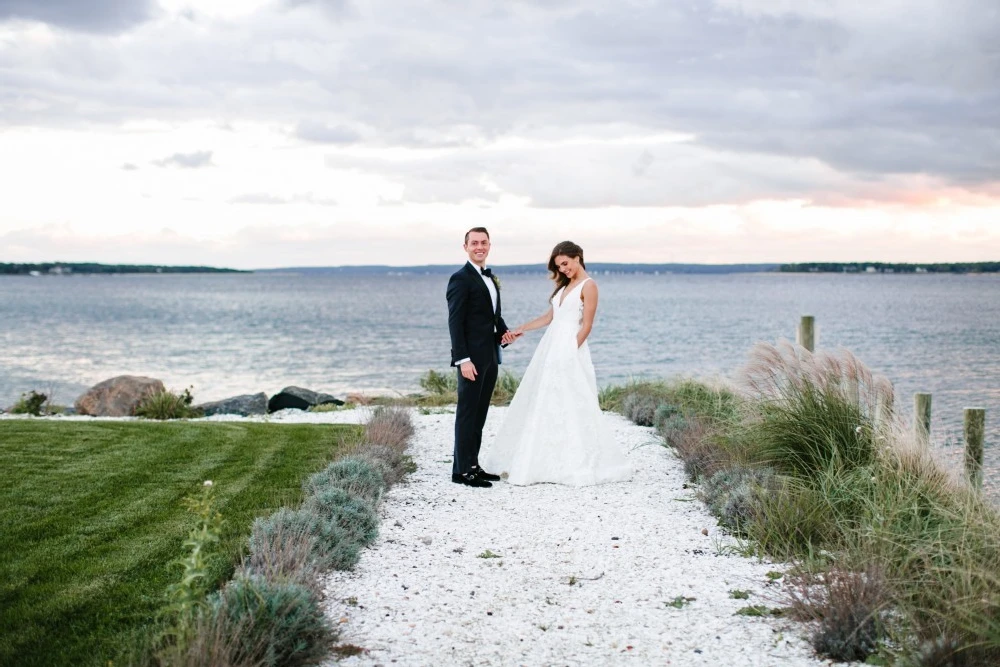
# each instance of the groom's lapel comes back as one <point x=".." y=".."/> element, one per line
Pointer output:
<point x="485" y="291"/>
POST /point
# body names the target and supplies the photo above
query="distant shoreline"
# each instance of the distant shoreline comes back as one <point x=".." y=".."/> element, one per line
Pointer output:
<point x="537" y="268"/>
<point x="885" y="267"/>
<point x="598" y="268"/>
<point x="92" y="268"/>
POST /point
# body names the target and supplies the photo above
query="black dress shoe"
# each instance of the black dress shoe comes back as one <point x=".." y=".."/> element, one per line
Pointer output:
<point x="470" y="479"/>
<point x="488" y="476"/>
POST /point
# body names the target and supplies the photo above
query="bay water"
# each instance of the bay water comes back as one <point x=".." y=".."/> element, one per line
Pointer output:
<point x="227" y="334"/>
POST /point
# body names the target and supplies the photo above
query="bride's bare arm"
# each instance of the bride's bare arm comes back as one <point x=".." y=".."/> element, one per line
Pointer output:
<point x="538" y="322"/>
<point x="589" y="296"/>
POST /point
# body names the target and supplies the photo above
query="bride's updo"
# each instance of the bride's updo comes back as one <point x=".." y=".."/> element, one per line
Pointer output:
<point x="565" y="249"/>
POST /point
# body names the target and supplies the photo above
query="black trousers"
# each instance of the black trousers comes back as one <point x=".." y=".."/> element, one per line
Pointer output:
<point x="473" y="404"/>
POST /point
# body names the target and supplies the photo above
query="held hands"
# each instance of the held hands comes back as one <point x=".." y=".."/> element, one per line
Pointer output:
<point x="510" y="336"/>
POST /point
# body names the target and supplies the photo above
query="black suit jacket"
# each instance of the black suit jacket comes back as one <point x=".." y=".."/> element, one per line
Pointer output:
<point x="475" y="329"/>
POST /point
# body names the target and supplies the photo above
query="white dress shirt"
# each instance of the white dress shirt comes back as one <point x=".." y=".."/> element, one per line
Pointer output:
<point x="493" y="297"/>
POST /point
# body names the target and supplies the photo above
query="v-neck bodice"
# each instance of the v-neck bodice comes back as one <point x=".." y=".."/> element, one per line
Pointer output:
<point x="562" y="295"/>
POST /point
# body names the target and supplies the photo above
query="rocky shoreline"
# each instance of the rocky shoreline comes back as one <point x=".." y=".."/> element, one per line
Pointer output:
<point x="123" y="395"/>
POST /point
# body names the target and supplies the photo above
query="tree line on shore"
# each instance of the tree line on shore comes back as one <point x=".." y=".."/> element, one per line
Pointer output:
<point x="885" y="267"/>
<point x="63" y="268"/>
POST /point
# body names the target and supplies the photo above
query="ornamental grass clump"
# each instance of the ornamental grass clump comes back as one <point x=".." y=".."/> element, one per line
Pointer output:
<point x="702" y="450"/>
<point x="392" y="463"/>
<point x="168" y="405"/>
<point x="506" y="387"/>
<point x="810" y="412"/>
<point x="389" y="425"/>
<point x="848" y="608"/>
<point x="355" y="475"/>
<point x="32" y="403"/>
<point x="640" y="408"/>
<point x="439" y="383"/>
<point x="733" y="495"/>
<point x="276" y="624"/>
<point x="352" y="514"/>
<point x="332" y="547"/>
<point x="283" y="551"/>
<point x="664" y="414"/>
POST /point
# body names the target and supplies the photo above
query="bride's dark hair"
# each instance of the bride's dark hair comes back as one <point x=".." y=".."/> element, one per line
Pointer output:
<point x="566" y="249"/>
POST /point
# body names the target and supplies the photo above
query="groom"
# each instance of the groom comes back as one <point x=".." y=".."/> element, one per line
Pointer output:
<point x="476" y="329"/>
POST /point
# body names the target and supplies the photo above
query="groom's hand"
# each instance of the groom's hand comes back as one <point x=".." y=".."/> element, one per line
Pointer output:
<point x="510" y="336"/>
<point x="468" y="370"/>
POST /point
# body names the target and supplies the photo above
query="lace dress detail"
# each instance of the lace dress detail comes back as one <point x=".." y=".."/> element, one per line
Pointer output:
<point x="554" y="430"/>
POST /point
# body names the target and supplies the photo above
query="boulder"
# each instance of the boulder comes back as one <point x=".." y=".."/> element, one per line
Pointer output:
<point x="244" y="405"/>
<point x="117" y="397"/>
<point x="299" y="399"/>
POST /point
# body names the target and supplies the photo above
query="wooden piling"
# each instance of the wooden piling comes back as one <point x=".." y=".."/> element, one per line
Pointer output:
<point x="975" y="431"/>
<point x="922" y="419"/>
<point x="807" y="332"/>
<point x="884" y="409"/>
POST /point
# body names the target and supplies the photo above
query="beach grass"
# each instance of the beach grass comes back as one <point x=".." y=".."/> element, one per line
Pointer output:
<point x="896" y="560"/>
<point x="91" y="518"/>
<point x="441" y="388"/>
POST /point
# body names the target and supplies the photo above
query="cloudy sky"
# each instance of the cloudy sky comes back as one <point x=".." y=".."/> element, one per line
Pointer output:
<point x="265" y="133"/>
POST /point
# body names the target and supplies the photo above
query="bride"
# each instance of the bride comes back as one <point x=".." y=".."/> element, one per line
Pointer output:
<point x="554" y="430"/>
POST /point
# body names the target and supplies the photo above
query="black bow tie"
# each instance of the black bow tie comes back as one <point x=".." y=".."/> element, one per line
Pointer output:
<point x="487" y="272"/>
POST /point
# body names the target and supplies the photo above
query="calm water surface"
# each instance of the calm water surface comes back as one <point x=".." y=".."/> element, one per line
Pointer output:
<point x="233" y="334"/>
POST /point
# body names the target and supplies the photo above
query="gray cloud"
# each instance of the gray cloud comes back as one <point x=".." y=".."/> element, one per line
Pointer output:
<point x="327" y="134"/>
<point x="869" y="91"/>
<point x="258" y="198"/>
<point x="193" y="160"/>
<point x="643" y="163"/>
<point x="338" y="8"/>
<point x="264" y="198"/>
<point x="99" y="16"/>
<point x="128" y="166"/>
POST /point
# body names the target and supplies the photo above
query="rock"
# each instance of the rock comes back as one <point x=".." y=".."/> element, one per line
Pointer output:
<point x="299" y="399"/>
<point x="117" y="397"/>
<point x="244" y="405"/>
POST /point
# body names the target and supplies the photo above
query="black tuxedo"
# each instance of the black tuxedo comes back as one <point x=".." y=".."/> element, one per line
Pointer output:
<point x="475" y="331"/>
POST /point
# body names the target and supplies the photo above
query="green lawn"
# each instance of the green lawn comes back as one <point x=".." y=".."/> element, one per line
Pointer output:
<point x="91" y="517"/>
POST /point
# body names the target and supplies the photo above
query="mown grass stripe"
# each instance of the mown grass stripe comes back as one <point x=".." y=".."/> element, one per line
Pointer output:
<point x="91" y="517"/>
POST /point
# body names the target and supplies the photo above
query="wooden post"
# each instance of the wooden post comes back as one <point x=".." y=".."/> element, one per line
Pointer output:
<point x="883" y="411"/>
<point x="922" y="419"/>
<point x="807" y="332"/>
<point x="975" y="430"/>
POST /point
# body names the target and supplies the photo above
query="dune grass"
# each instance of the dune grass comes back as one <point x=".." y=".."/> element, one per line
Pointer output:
<point x="441" y="388"/>
<point x="896" y="560"/>
<point x="91" y="516"/>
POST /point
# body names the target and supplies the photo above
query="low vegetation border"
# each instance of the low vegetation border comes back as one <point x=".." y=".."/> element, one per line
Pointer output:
<point x="895" y="561"/>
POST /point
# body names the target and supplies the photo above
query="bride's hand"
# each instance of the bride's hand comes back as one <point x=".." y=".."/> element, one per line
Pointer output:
<point x="510" y="336"/>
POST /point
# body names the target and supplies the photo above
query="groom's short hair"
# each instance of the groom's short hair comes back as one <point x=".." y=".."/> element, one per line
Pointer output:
<point x="481" y="230"/>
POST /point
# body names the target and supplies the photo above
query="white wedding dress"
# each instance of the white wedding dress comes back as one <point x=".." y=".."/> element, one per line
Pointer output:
<point x="554" y="430"/>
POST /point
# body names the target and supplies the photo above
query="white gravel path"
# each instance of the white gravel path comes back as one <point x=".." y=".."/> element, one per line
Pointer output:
<point x="580" y="576"/>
